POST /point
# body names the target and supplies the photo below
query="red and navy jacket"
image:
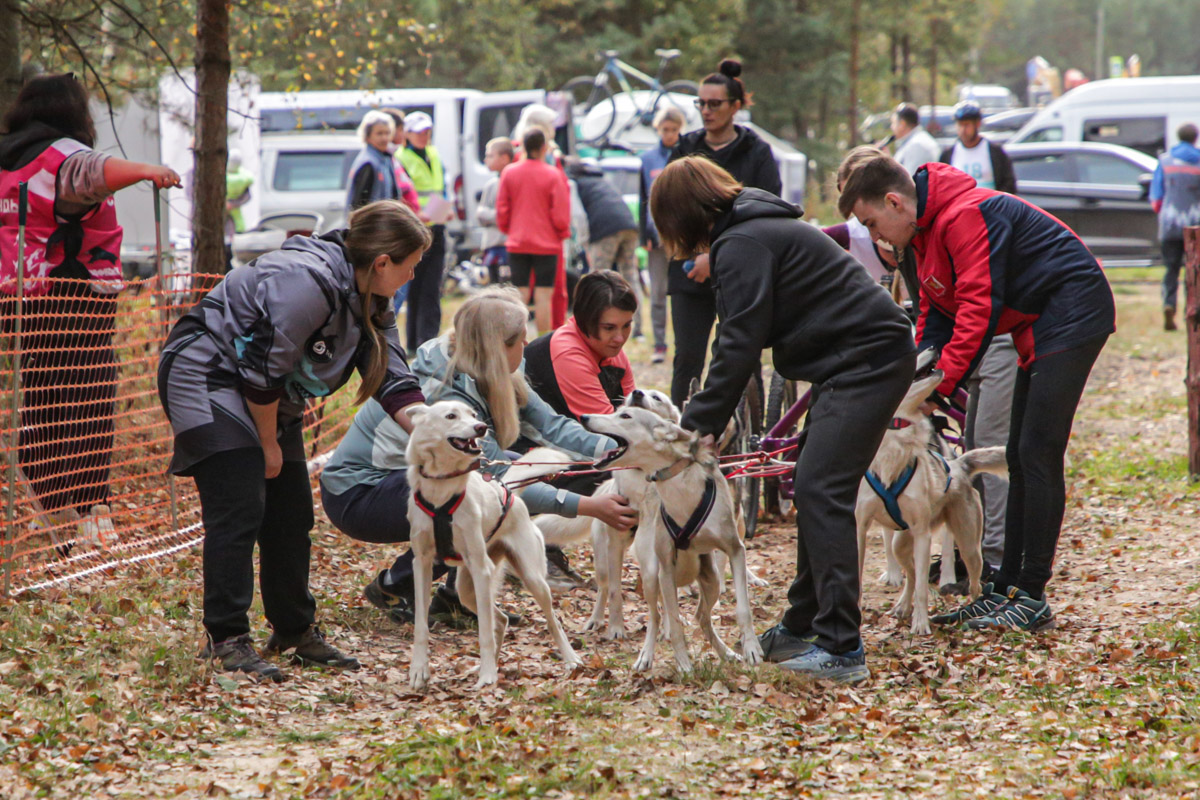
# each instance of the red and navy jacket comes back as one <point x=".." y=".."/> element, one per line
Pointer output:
<point x="991" y="263"/>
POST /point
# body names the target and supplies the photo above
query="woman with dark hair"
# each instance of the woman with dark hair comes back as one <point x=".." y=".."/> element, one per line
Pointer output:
<point x="740" y="152"/>
<point x="786" y="285"/>
<point x="234" y="377"/>
<point x="72" y="271"/>
<point x="580" y="368"/>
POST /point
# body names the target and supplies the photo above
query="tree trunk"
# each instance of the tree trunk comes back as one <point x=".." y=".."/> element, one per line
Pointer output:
<point x="212" y="102"/>
<point x="10" y="55"/>
<point x="933" y="61"/>
<point x="852" y="116"/>
<point x="905" y="69"/>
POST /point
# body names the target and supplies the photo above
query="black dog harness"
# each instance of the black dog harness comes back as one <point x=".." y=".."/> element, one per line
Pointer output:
<point x="890" y="494"/>
<point x="682" y="536"/>
<point x="443" y="518"/>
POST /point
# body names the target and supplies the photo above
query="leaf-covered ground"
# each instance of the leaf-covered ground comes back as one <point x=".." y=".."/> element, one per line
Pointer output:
<point x="101" y="696"/>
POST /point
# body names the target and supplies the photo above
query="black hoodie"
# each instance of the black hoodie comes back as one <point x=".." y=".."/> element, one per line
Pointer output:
<point x="784" y="284"/>
<point x="748" y="159"/>
<point x="20" y="147"/>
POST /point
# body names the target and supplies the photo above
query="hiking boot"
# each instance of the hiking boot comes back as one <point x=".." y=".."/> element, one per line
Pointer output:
<point x="779" y="644"/>
<point x="559" y="574"/>
<point x="818" y="662"/>
<point x="1021" y="613"/>
<point x="311" y="647"/>
<point x="1169" y="319"/>
<point x="399" y="607"/>
<point x="660" y="355"/>
<point x="446" y="608"/>
<point x="987" y="602"/>
<point x="238" y="655"/>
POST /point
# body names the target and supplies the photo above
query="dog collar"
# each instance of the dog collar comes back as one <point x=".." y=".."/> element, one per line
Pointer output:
<point x="898" y="423"/>
<point x="682" y="536"/>
<point x="670" y="472"/>
<point x="474" y="466"/>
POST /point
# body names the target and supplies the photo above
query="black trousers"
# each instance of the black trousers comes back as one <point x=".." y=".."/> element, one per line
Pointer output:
<point x="692" y="318"/>
<point x="239" y="507"/>
<point x="1044" y="401"/>
<point x="379" y="514"/>
<point x="424" y="318"/>
<point x="1172" y="251"/>
<point x="69" y="374"/>
<point x="845" y="426"/>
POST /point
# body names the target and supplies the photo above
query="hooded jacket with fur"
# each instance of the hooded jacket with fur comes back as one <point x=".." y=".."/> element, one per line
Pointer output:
<point x="991" y="263"/>
<point x="784" y="284"/>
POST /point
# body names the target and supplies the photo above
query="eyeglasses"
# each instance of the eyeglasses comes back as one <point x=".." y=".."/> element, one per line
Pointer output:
<point x="713" y="104"/>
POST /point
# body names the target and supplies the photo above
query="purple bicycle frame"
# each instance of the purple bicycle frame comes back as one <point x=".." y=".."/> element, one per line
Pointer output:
<point x="775" y="440"/>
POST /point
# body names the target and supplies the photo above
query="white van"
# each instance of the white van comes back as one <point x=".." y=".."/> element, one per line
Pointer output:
<point x="463" y="122"/>
<point x="1142" y="113"/>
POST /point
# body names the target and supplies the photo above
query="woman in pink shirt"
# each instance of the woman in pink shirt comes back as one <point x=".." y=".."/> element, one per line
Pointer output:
<point x="580" y="368"/>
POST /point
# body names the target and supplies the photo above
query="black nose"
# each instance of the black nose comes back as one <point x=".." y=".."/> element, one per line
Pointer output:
<point x="583" y="420"/>
<point x="638" y="394"/>
<point x="480" y="429"/>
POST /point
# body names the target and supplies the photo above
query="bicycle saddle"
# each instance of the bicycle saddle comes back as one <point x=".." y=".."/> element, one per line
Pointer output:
<point x="668" y="53"/>
<point x="610" y="53"/>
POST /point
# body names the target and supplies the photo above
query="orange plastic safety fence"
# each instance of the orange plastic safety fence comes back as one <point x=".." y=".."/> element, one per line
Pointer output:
<point x="84" y="442"/>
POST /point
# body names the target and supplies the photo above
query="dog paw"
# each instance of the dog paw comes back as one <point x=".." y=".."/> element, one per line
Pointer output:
<point x="418" y="678"/>
<point x="485" y="679"/>
<point x="900" y="611"/>
<point x="754" y="580"/>
<point x="573" y="663"/>
<point x="683" y="665"/>
<point x="643" y="663"/>
<point x="615" y="634"/>
<point x="891" y="578"/>
<point x="920" y="627"/>
<point x="593" y="625"/>
<point x="752" y="652"/>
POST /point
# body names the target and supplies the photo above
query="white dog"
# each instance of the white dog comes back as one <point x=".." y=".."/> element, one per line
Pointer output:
<point x="912" y="488"/>
<point x="457" y="516"/>
<point x="609" y="544"/>
<point x="677" y="536"/>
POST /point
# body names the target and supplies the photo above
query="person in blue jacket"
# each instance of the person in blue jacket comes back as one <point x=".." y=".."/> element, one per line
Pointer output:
<point x="1175" y="195"/>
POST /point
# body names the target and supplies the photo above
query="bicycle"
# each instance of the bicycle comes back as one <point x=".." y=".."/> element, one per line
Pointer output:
<point x="596" y="105"/>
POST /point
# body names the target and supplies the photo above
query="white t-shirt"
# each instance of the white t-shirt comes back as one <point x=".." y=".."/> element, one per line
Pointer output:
<point x="863" y="249"/>
<point x="975" y="161"/>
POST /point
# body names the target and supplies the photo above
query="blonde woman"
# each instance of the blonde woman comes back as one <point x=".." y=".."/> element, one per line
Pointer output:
<point x="480" y="362"/>
<point x="234" y="377"/>
<point x="373" y="173"/>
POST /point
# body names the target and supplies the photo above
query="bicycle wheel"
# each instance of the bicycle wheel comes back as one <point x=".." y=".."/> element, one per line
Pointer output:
<point x="748" y="419"/>
<point x="780" y="397"/>
<point x="683" y="87"/>
<point x="595" y="110"/>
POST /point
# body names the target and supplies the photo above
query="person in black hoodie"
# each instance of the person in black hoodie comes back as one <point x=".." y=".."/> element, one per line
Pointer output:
<point x="741" y="153"/>
<point x="786" y="285"/>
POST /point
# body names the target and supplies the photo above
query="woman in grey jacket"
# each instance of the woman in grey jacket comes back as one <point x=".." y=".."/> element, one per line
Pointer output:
<point x="234" y="377"/>
<point x="364" y="486"/>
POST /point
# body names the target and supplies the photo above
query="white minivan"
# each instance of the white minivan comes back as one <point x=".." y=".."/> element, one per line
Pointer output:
<point x="1142" y="113"/>
<point x="306" y="134"/>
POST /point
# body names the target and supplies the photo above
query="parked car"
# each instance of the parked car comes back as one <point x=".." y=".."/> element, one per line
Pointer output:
<point x="463" y="122"/>
<point x="1100" y="190"/>
<point x="1000" y="127"/>
<point x="991" y="97"/>
<point x="307" y="172"/>
<point x="1142" y="113"/>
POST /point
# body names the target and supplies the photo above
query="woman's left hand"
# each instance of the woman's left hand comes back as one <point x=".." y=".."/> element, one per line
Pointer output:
<point x="700" y="271"/>
<point x="163" y="177"/>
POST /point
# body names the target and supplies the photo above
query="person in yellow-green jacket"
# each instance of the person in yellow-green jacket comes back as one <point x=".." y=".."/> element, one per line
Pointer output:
<point x="238" y="181"/>
<point x="424" y="166"/>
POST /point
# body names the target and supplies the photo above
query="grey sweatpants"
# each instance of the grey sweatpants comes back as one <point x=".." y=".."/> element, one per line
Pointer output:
<point x="989" y="413"/>
<point x="656" y="264"/>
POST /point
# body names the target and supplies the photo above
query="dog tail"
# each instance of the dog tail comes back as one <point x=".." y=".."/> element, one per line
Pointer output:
<point x="537" y="462"/>
<point x="984" y="459"/>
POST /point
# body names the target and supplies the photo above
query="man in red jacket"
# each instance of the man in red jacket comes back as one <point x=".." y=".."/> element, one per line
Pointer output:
<point x="533" y="208"/>
<point x="991" y="263"/>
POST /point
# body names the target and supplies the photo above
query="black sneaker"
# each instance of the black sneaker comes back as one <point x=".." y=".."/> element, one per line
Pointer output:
<point x="398" y="606"/>
<point x="311" y="647"/>
<point x="1021" y="613"/>
<point x="818" y="662"/>
<point x="780" y="644"/>
<point x="988" y="601"/>
<point x="559" y="574"/>
<point x="238" y="655"/>
<point x="445" y="607"/>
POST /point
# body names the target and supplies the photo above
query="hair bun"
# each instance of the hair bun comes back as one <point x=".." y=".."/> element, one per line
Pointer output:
<point x="730" y="68"/>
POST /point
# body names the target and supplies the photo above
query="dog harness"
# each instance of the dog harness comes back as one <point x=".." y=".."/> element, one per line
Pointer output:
<point x="890" y="495"/>
<point x="443" y="518"/>
<point x="682" y="536"/>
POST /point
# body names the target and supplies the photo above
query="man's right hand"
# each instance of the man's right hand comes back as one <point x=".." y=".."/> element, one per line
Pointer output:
<point x="611" y="509"/>
<point x="273" y="455"/>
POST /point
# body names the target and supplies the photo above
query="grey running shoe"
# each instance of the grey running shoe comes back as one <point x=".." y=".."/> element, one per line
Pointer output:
<point x="238" y="655"/>
<point x="779" y="644"/>
<point x="1021" y="613"/>
<point x="311" y="647"/>
<point x="988" y="601"/>
<point x="820" y="663"/>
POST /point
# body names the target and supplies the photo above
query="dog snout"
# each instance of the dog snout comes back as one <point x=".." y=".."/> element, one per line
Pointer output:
<point x="637" y="394"/>
<point x="480" y="429"/>
<point x="583" y="420"/>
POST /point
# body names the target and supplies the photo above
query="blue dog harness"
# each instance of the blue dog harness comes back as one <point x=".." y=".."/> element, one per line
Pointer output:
<point x="682" y="537"/>
<point x="890" y="495"/>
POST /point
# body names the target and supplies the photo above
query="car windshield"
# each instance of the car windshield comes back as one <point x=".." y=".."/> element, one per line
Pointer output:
<point x="1040" y="168"/>
<point x="309" y="171"/>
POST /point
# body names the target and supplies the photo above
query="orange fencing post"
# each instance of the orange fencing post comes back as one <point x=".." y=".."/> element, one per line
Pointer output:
<point x="1191" y="244"/>
<point x="164" y="320"/>
<point x="22" y="205"/>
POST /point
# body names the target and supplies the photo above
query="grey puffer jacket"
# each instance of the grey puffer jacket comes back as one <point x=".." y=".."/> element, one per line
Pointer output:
<point x="285" y="327"/>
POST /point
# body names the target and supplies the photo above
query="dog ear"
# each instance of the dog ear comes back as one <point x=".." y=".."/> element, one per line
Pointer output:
<point x="416" y="411"/>
<point x="668" y="433"/>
